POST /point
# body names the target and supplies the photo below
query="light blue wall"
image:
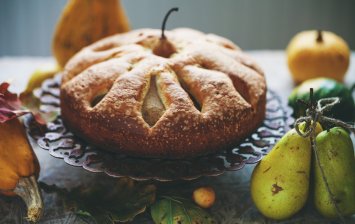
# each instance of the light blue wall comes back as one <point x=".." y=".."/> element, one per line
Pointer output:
<point x="26" y="26"/>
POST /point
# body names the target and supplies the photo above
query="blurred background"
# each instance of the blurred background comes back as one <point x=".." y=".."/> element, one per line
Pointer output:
<point x="27" y="26"/>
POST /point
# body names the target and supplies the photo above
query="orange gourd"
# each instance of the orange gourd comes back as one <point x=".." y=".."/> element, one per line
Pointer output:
<point x="19" y="168"/>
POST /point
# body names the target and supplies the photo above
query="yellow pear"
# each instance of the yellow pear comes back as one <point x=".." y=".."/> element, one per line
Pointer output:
<point x="83" y="22"/>
<point x="336" y="155"/>
<point x="280" y="182"/>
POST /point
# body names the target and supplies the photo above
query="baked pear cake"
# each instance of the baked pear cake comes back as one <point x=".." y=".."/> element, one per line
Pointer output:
<point x="181" y="95"/>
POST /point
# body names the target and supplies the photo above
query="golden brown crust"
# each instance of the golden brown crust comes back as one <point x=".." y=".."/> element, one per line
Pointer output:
<point x="211" y="94"/>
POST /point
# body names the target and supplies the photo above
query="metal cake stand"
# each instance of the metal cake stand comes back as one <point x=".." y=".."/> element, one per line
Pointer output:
<point x="63" y="144"/>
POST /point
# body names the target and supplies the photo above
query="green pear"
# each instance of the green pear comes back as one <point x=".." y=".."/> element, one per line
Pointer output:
<point x="336" y="155"/>
<point x="280" y="182"/>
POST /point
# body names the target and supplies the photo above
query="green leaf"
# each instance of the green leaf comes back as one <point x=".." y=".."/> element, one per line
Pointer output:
<point x="175" y="210"/>
<point x="83" y="213"/>
<point x="119" y="200"/>
<point x="32" y="103"/>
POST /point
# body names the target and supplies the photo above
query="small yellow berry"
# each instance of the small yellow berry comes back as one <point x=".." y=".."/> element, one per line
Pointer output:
<point x="204" y="197"/>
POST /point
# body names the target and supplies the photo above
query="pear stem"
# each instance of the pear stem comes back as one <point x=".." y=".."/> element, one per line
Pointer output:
<point x="311" y="97"/>
<point x="165" y="19"/>
<point x="319" y="36"/>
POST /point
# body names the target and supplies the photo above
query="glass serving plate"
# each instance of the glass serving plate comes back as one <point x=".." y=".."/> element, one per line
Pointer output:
<point x="63" y="144"/>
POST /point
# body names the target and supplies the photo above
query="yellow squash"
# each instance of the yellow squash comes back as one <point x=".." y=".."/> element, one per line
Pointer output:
<point x="19" y="168"/>
<point x="312" y="54"/>
<point x="85" y="21"/>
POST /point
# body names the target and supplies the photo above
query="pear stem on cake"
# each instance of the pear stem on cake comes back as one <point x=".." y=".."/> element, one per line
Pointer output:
<point x="166" y="19"/>
<point x="164" y="48"/>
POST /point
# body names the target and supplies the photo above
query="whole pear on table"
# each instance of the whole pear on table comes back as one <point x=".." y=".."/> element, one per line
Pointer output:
<point x="336" y="154"/>
<point x="280" y="182"/>
<point x="83" y="22"/>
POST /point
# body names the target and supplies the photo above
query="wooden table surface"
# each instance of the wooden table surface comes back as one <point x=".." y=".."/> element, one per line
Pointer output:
<point x="233" y="204"/>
